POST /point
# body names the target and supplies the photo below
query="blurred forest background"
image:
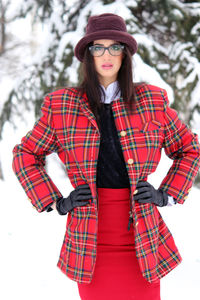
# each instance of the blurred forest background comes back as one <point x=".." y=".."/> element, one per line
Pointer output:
<point x="37" y="39"/>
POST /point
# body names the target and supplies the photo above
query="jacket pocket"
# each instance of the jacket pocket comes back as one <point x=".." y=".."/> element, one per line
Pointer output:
<point x="152" y="125"/>
<point x="147" y="139"/>
<point x="147" y="225"/>
<point x="82" y="222"/>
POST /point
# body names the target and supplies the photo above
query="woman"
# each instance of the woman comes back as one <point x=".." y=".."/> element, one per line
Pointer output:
<point x="109" y="134"/>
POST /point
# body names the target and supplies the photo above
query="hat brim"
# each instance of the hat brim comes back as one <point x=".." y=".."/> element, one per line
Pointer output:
<point x="123" y="37"/>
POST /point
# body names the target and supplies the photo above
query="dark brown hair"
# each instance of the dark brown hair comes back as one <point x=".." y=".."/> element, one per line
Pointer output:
<point x="91" y="85"/>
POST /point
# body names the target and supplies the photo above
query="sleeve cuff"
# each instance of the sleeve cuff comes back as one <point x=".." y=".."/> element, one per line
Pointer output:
<point x="171" y="201"/>
<point x="48" y="208"/>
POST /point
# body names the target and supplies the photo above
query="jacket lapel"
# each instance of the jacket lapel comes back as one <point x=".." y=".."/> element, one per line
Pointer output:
<point x="87" y="111"/>
<point x="95" y="142"/>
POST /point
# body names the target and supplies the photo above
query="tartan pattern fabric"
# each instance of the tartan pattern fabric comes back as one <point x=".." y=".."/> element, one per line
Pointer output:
<point x="67" y="126"/>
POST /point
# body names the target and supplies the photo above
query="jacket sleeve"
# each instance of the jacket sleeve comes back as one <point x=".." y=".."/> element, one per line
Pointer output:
<point x="182" y="146"/>
<point x="29" y="160"/>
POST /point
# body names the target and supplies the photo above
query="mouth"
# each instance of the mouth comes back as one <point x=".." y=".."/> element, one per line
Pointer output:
<point x="107" y="66"/>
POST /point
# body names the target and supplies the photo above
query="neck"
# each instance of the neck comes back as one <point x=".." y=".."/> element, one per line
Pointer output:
<point x="105" y="81"/>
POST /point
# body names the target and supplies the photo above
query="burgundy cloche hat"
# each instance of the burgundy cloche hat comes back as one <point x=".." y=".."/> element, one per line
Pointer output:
<point x="105" y="26"/>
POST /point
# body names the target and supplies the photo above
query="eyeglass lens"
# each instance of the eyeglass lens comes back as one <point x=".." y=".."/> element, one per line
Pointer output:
<point x="98" y="50"/>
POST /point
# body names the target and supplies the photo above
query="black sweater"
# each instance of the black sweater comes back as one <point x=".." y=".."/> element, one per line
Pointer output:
<point x="111" y="168"/>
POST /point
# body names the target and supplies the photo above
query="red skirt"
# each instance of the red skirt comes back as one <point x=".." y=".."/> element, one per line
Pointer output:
<point x="116" y="275"/>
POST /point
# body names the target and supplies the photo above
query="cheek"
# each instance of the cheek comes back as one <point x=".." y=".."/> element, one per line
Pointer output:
<point x="96" y="64"/>
<point x="119" y="62"/>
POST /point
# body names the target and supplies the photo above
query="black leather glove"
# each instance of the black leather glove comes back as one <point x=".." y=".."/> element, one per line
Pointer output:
<point x="75" y="198"/>
<point x="146" y="193"/>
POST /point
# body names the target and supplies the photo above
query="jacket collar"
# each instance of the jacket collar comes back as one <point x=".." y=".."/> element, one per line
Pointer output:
<point x="89" y="114"/>
<point x="111" y="92"/>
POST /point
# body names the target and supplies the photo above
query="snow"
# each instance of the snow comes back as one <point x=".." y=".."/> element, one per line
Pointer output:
<point x="195" y="30"/>
<point x="149" y="43"/>
<point x="177" y="13"/>
<point x="143" y="72"/>
<point x="192" y="8"/>
<point x="196" y="122"/>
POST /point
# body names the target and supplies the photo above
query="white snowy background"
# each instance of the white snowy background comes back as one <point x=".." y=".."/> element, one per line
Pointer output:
<point x="31" y="242"/>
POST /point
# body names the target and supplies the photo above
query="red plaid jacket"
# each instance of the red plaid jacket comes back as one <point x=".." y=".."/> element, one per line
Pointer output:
<point x="68" y="127"/>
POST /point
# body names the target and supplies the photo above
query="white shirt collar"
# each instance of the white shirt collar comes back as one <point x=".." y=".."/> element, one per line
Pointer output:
<point x="110" y="92"/>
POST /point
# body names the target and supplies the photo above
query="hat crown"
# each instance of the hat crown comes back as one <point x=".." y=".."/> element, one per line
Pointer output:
<point x="105" y="26"/>
<point x="105" y="22"/>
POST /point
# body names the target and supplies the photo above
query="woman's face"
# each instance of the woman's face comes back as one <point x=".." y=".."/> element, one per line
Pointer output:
<point x="107" y="65"/>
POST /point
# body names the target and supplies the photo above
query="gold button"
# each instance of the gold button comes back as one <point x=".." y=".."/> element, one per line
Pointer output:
<point x="130" y="161"/>
<point x="123" y="133"/>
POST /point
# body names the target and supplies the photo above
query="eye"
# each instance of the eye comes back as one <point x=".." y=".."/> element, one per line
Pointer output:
<point x="116" y="47"/>
<point x="97" y="48"/>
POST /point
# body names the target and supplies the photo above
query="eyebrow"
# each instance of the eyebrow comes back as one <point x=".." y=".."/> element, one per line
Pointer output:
<point x="109" y="45"/>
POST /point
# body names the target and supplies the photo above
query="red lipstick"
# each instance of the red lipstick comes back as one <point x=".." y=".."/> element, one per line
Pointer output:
<point x="107" y="66"/>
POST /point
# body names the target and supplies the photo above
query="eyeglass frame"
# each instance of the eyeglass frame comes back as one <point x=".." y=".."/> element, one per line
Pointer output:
<point x="106" y="48"/>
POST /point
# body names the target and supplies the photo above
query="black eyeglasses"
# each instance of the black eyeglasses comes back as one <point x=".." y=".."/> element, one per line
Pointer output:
<point x="115" y="49"/>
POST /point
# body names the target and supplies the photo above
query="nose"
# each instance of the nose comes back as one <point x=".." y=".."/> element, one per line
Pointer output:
<point x="106" y="53"/>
